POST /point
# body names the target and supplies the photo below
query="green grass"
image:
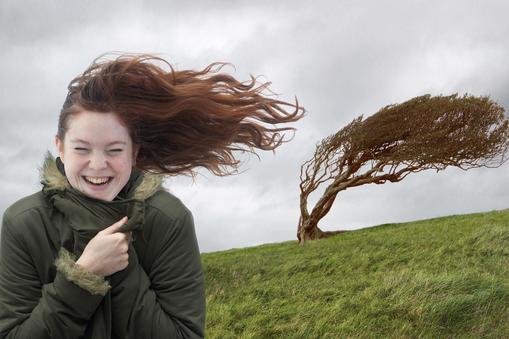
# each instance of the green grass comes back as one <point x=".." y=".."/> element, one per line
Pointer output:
<point x="439" y="278"/>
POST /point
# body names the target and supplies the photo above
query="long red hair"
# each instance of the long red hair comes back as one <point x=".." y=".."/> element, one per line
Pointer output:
<point x="181" y="119"/>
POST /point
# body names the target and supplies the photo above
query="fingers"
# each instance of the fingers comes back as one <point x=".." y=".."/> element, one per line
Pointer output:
<point x="115" y="227"/>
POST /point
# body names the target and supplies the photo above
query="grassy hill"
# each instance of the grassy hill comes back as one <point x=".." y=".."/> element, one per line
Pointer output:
<point x="438" y="278"/>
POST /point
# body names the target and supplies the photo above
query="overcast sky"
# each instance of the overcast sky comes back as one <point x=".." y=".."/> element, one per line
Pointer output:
<point x="341" y="59"/>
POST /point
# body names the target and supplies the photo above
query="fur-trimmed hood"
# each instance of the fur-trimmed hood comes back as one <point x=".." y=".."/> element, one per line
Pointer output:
<point x="52" y="178"/>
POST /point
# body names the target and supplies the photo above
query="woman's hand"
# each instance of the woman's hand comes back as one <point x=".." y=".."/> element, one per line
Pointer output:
<point x="106" y="253"/>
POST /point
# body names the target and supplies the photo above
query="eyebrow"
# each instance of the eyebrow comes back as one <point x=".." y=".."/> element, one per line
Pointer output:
<point x="86" y="142"/>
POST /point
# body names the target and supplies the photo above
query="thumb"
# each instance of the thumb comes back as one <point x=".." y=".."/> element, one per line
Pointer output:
<point x="115" y="227"/>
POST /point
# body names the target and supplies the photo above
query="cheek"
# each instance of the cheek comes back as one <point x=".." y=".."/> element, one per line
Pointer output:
<point x="73" y="165"/>
<point x="73" y="168"/>
<point x="124" y="167"/>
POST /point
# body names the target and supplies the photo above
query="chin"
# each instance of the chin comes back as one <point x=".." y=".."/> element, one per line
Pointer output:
<point x="105" y="197"/>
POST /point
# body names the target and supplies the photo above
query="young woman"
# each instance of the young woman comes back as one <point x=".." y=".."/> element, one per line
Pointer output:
<point x="103" y="251"/>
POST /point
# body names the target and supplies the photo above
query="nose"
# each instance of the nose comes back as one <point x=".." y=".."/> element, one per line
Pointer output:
<point x="98" y="161"/>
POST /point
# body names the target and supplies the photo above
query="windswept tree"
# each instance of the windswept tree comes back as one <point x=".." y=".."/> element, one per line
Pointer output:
<point x="426" y="132"/>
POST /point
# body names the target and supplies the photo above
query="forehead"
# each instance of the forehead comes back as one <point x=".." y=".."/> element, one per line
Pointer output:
<point x="97" y="127"/>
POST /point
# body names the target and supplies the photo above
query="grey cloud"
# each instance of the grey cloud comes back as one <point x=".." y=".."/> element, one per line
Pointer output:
<point x="340" y="58"/>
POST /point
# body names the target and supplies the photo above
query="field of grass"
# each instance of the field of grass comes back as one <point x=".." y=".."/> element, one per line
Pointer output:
<point x="438" y="278"/>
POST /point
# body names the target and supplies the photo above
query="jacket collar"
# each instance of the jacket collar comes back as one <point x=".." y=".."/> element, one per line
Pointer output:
<point x="54" y="178"/>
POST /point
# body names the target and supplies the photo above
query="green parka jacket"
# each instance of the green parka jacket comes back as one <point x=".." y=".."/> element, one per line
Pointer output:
<point x="43" y="294"/>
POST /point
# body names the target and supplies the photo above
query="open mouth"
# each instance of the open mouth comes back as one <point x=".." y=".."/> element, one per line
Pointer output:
<point x="98" y="181"/>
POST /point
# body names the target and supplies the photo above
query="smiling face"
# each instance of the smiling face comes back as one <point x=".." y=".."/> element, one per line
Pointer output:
<point x="98" y="154"/>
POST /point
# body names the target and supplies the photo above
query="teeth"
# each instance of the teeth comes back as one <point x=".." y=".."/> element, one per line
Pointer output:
<point x="100" y="180"/>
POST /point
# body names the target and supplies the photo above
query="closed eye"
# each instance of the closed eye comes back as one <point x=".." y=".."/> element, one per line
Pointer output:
<point x="116" y="150"/>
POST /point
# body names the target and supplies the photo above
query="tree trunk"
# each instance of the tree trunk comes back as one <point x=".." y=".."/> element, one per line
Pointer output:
<point x="308" y="222"/>
<point x="310" y="231"/>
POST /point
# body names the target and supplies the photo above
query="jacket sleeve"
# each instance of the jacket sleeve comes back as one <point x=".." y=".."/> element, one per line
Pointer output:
<point x="169" y="300"/>
<point x="31" y="309"/>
